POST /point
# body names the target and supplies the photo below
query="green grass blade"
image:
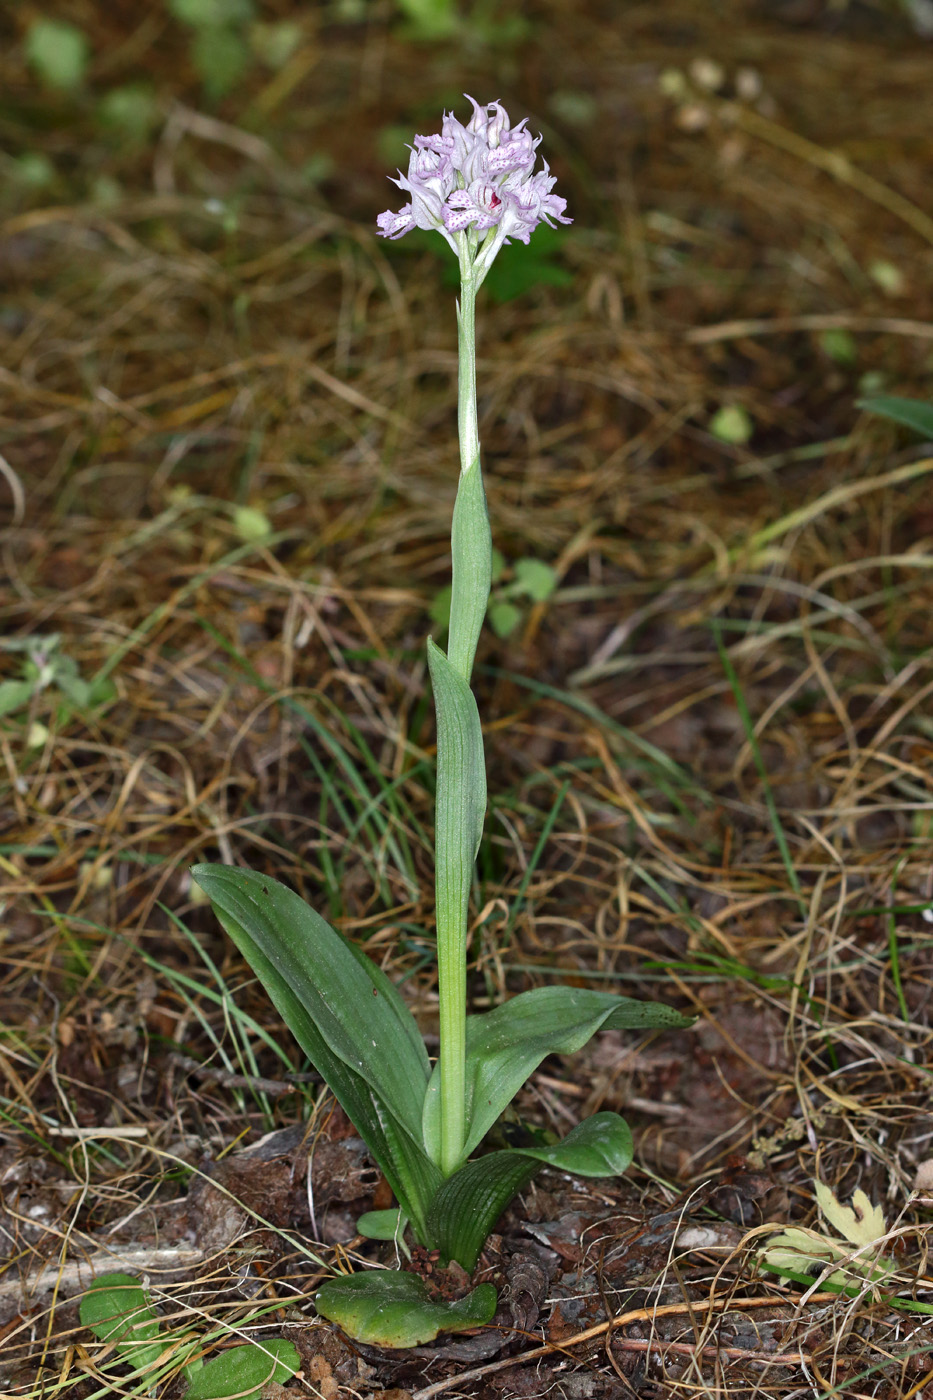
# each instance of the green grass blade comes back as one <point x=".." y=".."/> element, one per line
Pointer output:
<point x="749" y="727"/>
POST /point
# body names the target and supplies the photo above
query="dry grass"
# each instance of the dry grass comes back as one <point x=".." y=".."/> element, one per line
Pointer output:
<point x="709" y="752"/>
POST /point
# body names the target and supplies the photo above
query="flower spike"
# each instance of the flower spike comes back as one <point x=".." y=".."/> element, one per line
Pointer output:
<point x="468" y="180"/>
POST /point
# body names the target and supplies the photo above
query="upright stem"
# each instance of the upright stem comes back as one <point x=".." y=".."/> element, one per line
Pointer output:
<point x="471" y="550"/>
<point x="470" y="540"/>
<point x="467" y="423"/>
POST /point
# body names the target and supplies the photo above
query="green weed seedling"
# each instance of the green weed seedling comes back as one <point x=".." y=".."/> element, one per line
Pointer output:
<point x="58" y="53"/>
<point x="811" y="1256"/>
<point x="117" y="1310"/>
<point x="46" y="667"/>
<point x="424" y="1124"/>
<point x="427" y="21"/>
<point x="531" y="579"/>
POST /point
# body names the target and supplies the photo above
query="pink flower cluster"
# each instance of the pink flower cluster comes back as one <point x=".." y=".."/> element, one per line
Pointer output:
<point x="477" y="176"/>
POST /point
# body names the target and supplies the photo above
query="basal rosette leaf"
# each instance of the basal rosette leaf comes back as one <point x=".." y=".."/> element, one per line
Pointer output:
<point x="469" y="1203"/>
<point x="391" y="1308"/>
<point x="505" y="1046"/>
<point x="346" y="1016"/>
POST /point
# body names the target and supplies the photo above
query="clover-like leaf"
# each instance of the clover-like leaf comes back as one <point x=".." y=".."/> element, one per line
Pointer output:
<point x="391" y="1308"/>
<point x="535" y="579"/>
<point x="504" y="617"/>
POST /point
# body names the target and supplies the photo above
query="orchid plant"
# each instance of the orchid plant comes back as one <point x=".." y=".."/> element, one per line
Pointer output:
<point x="477" y="187"/>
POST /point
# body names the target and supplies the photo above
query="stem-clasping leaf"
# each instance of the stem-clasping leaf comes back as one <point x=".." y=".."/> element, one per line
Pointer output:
<point x="469" y="1203"/>
<point x="505" y="1046"/>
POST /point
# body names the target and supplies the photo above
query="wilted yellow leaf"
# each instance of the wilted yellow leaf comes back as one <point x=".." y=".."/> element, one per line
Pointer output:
<point x="861" y="1223"/>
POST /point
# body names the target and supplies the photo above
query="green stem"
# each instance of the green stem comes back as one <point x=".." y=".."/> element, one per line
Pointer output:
<point x="451" y="981"/>
<point x="471" y="550"/>
<point x="467" y="423"/>
<point x="470" y="539"/>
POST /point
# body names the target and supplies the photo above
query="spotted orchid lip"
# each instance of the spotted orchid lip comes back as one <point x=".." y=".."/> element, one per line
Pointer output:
<point x="476" y="177"/>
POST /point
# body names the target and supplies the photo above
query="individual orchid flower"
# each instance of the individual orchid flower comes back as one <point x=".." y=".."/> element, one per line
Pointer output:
<point x="478" y="207"/>
<point x="392" y="225"/>
<point x="515" y="152"/>
<point x="529" y="203"/>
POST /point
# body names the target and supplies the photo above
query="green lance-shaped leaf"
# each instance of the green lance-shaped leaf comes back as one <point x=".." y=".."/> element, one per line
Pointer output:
<point x="116" y="1308"/>
<point x="470" y="1202"/>
<point x="244" y="1371"/>
<point x="391" y="1308"/>
<point x="910" y="413"/>
<point x="461" y="806"/>
<point x="471" y="552"/>
<point x="505" y="1046"/>
<point x="345" y="1014"/>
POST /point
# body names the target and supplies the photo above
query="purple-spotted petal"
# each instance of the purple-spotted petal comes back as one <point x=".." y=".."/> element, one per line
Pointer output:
<point x="515" y="152"/>
<point x="479" y="207"/>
